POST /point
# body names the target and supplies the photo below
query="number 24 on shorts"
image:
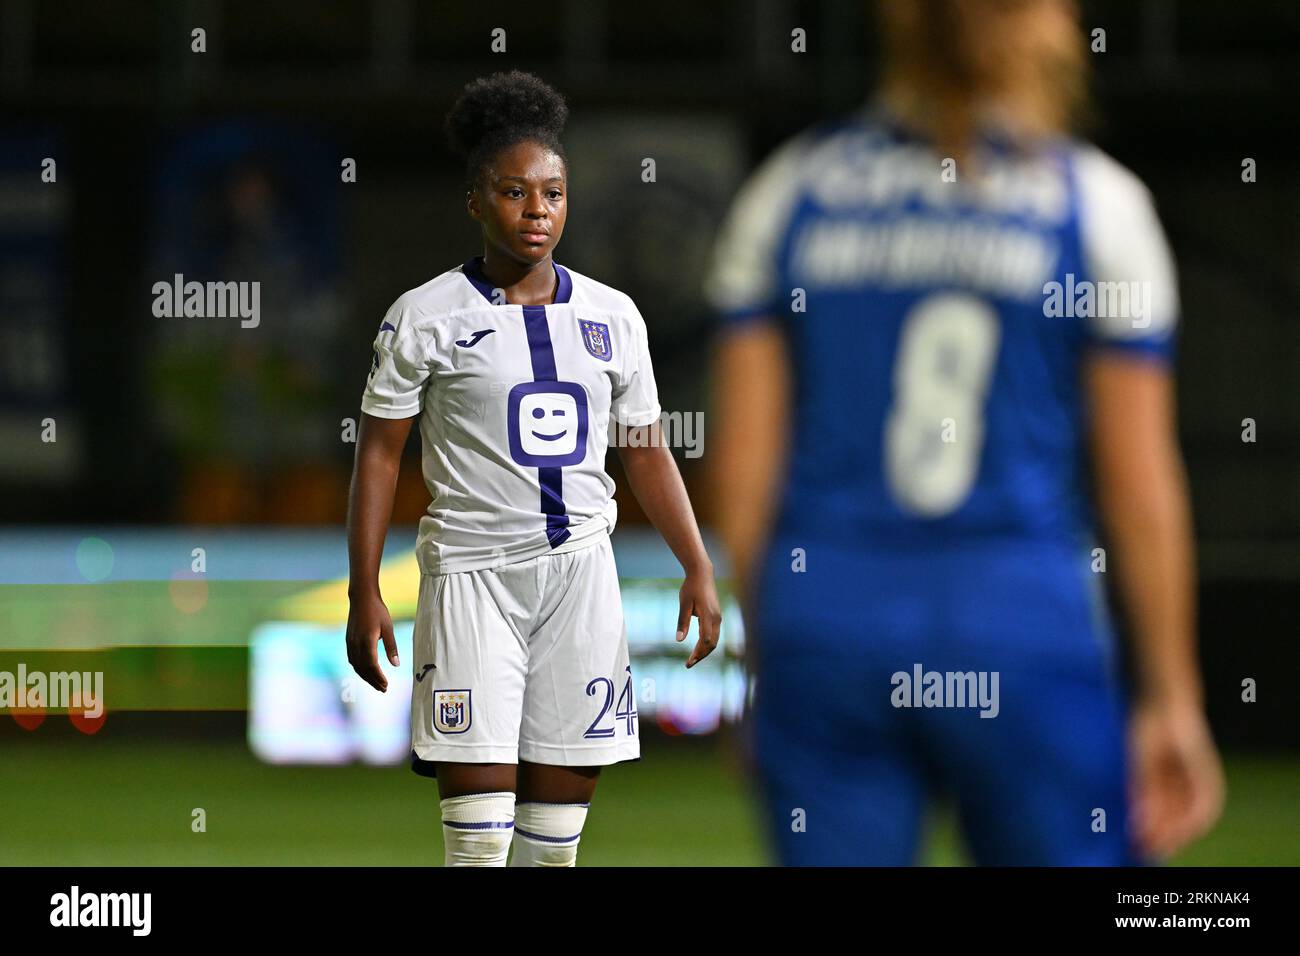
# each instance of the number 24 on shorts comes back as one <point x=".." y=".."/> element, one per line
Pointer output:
<point x="626" y="709"/>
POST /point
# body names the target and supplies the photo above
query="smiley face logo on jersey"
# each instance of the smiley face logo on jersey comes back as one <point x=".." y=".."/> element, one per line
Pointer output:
<point x="556" y="413"/>
<point x="548" y="423"/>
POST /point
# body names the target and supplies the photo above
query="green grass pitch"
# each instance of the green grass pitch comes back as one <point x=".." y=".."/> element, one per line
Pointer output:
<point x="99" y="801"/>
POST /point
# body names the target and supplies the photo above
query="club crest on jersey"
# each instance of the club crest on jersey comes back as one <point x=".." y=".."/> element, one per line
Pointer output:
<point x="595" y="335"/>
<point x="451" y="711"/>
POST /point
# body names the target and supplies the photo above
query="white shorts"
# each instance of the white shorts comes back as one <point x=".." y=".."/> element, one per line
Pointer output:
<point x="524" y="662"/>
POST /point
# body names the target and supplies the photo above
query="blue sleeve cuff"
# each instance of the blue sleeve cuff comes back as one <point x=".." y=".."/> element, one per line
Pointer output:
<point x="732" y="318"/>
<point x="1153" y="348"/>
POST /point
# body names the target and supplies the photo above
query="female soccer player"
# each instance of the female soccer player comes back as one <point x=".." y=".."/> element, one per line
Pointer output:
<point x="514" y="365"/>
<point x="943" y="313"/>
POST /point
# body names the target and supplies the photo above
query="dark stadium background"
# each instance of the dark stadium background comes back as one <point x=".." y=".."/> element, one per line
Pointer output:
<point x="1184" y="92"/>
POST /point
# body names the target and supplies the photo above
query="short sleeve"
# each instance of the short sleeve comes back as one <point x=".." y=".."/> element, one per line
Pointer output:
<point x="399" y="368"/>
<point x="1127" y="258"/>
<point x="635" y="400"/>
<point x="743" y="278"/>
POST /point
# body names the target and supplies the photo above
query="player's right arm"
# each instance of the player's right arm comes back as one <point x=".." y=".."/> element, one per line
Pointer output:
<point x="751" y="368"/>
<point x="751" y="401"/>
<point x="370" y="508"/>
<point x="392" y="400"/>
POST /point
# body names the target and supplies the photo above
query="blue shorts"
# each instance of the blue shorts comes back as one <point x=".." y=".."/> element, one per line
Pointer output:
<point x="847" y="770"/>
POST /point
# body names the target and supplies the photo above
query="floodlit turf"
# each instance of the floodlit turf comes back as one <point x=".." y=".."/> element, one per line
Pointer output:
<point x="97" y="801"/>
<point x="112" y="803"/>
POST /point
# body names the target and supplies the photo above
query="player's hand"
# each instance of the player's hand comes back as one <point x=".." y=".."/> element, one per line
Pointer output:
<point x="1177" y="788"/>
<point x="368" y="622"/>
<point x="699" y="598"/>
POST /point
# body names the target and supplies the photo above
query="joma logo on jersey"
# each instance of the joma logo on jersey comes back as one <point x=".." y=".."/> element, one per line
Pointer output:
<point x="473" y="340"/>
<point x="595" y="335"/>
<point x="451" y="711"/>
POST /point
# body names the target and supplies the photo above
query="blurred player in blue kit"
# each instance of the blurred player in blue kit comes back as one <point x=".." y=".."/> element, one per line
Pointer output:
<point x="945" y="364"/>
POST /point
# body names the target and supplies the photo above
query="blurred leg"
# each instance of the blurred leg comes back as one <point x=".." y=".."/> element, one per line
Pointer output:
<point x="1043" y="783"/>
<point x="842" y="786"/>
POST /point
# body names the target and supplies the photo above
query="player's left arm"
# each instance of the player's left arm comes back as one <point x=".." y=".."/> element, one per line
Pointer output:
<point x="1141" y="492"/>
<point x="653" y="476"/>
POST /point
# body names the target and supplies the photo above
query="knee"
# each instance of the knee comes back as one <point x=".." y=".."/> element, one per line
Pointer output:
<point x="547" y="834"/>
<point x="477" y="828"/>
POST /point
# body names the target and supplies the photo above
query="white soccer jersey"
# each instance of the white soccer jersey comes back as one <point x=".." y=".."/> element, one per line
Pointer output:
<point x="515" y="403"/>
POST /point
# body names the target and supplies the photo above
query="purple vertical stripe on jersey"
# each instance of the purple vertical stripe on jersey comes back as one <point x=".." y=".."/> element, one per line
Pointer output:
<point x="550" y="479"/>
<point x="543" y="360"/>
<point x="557" y="522"/>
<point x="539" y="343"/>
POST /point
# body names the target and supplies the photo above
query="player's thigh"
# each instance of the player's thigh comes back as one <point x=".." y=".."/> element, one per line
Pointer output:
<point x="544" y="783"/>
<point x="462" y="779"/>
<point x="579" y="701"/>
<point x="469" y="666"/>
<point x="1043" y="782"/>
<point x="842" y="785"/>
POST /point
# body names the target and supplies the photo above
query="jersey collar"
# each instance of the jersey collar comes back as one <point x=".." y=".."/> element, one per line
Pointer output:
<point x="473" y="270"/>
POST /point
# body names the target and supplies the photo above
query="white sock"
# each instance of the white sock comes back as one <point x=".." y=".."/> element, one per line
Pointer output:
<point x="546" y="834"/>
<point x="476" y="828"/>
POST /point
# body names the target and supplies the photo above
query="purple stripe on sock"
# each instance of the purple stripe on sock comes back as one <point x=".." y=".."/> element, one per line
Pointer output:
<point x="488" y="825"/>
<point x="547" y="839"/>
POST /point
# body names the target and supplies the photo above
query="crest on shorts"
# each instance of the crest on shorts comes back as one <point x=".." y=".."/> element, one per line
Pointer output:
<point x="451" y="711"/>
<point x="595" y="335"/>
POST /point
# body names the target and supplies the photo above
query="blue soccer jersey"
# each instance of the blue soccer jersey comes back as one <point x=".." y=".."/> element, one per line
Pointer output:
<point x="935" y="320"/>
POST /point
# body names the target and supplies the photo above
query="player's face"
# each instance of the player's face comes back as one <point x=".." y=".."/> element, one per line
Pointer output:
<point x="523" y="203"/>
